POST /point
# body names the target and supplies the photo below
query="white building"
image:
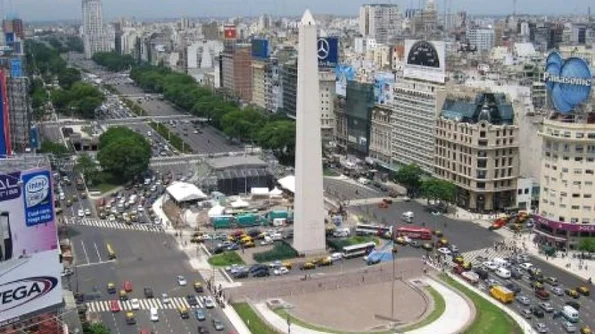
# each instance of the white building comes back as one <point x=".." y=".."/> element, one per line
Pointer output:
<point x="363" y="44"/>
<point x="482" y="38"/>
<point x="379" y="21"/>
<point x="327" y="84"/>
<point x="94" y="35"/>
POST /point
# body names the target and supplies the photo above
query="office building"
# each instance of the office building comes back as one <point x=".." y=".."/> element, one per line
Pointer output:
<point x="237" y="71"/>
<point x="94" y="34"/>
<point x="379" y="21"/>
<point x="483" y="39"/>
<point x="477" y="149"/>
<point x="15" y="26"/>
<point x="20" y="113"/>
<point x="273" y="98"/>
<point x="260" y="67"/>
<point x="381" y="135"/>
<point x="289" y="85"/>
<point x="353" y="118"/>
<point x="210" y="31"/>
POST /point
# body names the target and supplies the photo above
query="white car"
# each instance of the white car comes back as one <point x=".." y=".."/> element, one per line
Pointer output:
<point x="153" y="315"/>
<point x="281" y="271"/>
<point x="526" y="266"/>
<point x="87" y="212"/>
<point x="135" y="304"/>
<point x="209" y="303"/>
<point x="165" y="299"/>
<point x="141" y="208"/>
<point x="157" y="222"/>
<point x="444" y="250"/>
<point x="336" y="256"/>
<point x="182" y="281"/>
<point x="112" y="218"/>
<point x="490" y="265"/>
<point x="81" y="213"/>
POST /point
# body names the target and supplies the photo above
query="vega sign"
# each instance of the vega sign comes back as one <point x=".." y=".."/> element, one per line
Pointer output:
<point x="568" y="81"/>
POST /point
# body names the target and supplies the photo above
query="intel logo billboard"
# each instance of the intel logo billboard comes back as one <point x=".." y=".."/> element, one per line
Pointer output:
<point x="568" y="81"/>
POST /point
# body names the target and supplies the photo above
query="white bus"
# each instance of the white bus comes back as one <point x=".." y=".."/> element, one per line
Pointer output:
<point x="358" y="250"/>
<point x="378" y="230"/>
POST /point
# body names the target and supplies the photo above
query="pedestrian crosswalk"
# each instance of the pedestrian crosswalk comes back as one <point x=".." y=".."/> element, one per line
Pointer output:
<point x="485" y="254"/>
<point x="157" y="163"/>
<point x="115" y="225"/>
<point x="144" y="304"/>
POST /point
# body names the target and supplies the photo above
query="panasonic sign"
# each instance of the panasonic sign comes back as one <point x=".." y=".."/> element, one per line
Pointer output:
<point x="568" y="81"/>
<point x="23" y="291"/>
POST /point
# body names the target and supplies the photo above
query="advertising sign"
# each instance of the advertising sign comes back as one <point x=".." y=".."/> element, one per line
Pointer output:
<point x="16" y="68"/>
<point x="425" y="61"/>
<point x="568" y="81"/>
<point x="344" y="74"/>
<point x="34" y="137"/>
<point x="29" y="255"/>
<point x="9" y="37"/>
<point x="328" y="51"/>
<point x="260" y="49"/>
<point x="5" y="146"/>
<point x="563" y="226"/>
<point x="383" y="87"/>
<point x="230" y="32"/>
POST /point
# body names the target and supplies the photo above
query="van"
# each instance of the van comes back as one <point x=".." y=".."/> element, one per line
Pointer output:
<point x="279" y="222"/>
<point x="570" y="313"/>
<point x="341" y="232"/>
<point x="500" y="262"/>
<point x="407" y="217"/>
<point x="153" y="315"/>
<point x="502" y="273"/>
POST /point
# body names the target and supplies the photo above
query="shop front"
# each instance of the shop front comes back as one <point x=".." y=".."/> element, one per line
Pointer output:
<point x="561" y="235"/>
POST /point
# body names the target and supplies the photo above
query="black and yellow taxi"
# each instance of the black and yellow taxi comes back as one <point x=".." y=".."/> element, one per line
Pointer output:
<point x="583" y="290"/>
<point x="130" y="319"/>
<point x="458" y="259"/>
<point x="467" y="265"/>
<point x="537" y="285"/>
<point x="183" y="312"/>
<point x="111" y="288"/>
<point x="400" y="241"/>
<point x="438" y="233"/>
<point x="586" y="330"/>
<point x="123" y="295"/>
<point x="327" y="261"/>
<point x="287" y="265"/>
<point x="572" y="293"/>
<point x="198" y="287"/>
<point x="307" y="266"/>
<point x="427" y="246"/>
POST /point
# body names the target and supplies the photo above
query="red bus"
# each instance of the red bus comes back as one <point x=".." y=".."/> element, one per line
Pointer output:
<point x="415" y="232"/>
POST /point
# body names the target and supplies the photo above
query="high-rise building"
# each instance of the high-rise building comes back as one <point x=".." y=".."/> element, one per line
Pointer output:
<point x="20" y="113"/>
<point x="483" y="39"/>
<point x="260" y="67"/>
<point x="5" y="138"/>
<point x="94" y="35"/>
<point x="15" y="26"/>
<point x="327" y="84"/>
<point x="210" y="31"/>
<point x="477" y="149"/>
<point x="353" y="118"/>
<point x="379" y="21"/>
<point x="309" y="235"/>
<point x="237" y="72"/>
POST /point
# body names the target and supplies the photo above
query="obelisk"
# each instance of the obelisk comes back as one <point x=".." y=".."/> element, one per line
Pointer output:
<point x="309" y="233"/>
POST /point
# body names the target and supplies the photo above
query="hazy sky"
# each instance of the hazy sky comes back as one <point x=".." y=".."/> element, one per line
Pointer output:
<point x="35" y="10"/>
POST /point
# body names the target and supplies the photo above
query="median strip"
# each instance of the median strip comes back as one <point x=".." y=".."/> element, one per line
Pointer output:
<point x="175" y="141"/>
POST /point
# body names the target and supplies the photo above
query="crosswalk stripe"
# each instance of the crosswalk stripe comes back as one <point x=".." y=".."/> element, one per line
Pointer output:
<point x="114" y="225"/>
<point x="126" y="304"/>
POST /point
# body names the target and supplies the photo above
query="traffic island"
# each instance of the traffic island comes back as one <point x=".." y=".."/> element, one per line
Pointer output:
<point x="225" y="259"/>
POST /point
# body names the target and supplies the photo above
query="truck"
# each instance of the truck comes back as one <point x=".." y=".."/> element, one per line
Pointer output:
<point x="247" y="220"/>
<point x="502" y="294"/>
<point x="470" y="276"/>
<point x="275" y="214"/>
<point x="221" y="221"/>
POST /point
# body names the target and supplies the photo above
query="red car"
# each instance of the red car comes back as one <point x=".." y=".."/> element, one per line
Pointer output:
<point x="127" y="286"/>
<point x="114" y="306"/>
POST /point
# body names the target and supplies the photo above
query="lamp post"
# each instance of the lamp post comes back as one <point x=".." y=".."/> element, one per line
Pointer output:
<point x="392" y="299"/>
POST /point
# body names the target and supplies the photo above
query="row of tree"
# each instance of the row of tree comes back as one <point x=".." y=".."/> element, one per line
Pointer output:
<point x="432" y="189"/>
<point x="81" y="99"/>
<point x="64" y="44"/>
<point x="248" y="125"/>
<point x="114" y="61"/>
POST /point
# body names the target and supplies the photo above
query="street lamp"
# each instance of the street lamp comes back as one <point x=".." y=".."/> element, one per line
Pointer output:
<point x="392" y="299"/>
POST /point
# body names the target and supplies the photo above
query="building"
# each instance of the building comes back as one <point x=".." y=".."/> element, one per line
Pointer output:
<point x="477" y="149"/>
<point x="5" y="137"/>
<point x="379" y="21"/>
<point x="237" y="71"/>
<point x="260" y="67"/>
<point x="327" y="85"/>
<point x="94" y="35"/>
<point x="353" y="118"/>
<point x="289" y="84"/>
<point x="210" y="31"/>
<point x="273" y="98"/>
<point x="380" y="135"/>
<point x="20" y="113"/>
<point x="414" y="108"/>
<point x="483" y="39"/>
<point x="15" y="26"/>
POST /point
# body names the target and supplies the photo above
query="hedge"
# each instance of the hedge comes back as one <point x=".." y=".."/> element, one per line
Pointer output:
<point x="281" y="251"/>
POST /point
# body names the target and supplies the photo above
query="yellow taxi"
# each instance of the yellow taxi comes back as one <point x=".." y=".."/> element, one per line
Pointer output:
<point x="287" y="265"/>
<point x="458" y="259"/>
<point x="198" y="287"/>
<point x="183" y="312"/>
<point x="123" y="295"/>
<point x="130" y="319"/>
<point x="586" y="330"/>
<point x="249" y="244"/>
<point x="246" y="239"/>
<point x="325" y="262"/>
<point x="400" y="241"/>
<point x="467" y="265"/>
<point x="443" y="242"/>
<point x="572" y="293"/>
<point x="583" y="290"/>
<point x="437" y="233"/>
<point x="111" y="288"/>
<point x="427" y="246"/>
<point x="307" y="266"/>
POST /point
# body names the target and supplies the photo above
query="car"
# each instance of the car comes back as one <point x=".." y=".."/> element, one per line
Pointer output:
<point x="165" y="299"/>
<point x="241" y="274"/>
<point x="307" y="266"/>
<point x="483" y="274"/>
<point x="569" y="327"/>
<point x="541" y="328"/>
<point x="191" y="299"/>
<point x="281" y="271"/>
<point x="557" y="291"/>
<point x="114" y="306"/>
<point x="513" y="287"/>
<point x="537" y="312"/>
<point x="183" y="311"/>
<point x="111" y="288"/>
<point x="81" y="213"/>
<point x="572" y="293"/>
<point x="444" y="251"/>
<point x="87" y="212"/>
<point x="200" y="314"/>
<point x="526" y="313"/>
<point x="551" y="280"/>
<point x="453" y="248"/>
<point x="414" y="244"/>
<point x="130" y="319"/>
<point x="148" y="293"/>
<point x="516" y="273"/>
<point x="574" y="304"/>
<point x="140" y="208"/>
<point x="198" y="287"/>
<point x="583" y="290"/>
<point x="261" y="273"/>
<point x="217" y="324"/>
<point x="153" y="314"/>
<point x="526" y="266"/>
<point x="135" y="304"/>
<point x="491" y="282"/>
<point x="127" y="286"/>
<point x="490" y="265"/>
<point x="523" y="300"/>
<point x="547" y="307"/>
<point x="209" y="303"/>
<point x="181" y="280"/>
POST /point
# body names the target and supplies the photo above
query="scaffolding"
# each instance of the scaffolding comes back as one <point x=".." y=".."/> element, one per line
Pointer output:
<point x="19" y="112"/>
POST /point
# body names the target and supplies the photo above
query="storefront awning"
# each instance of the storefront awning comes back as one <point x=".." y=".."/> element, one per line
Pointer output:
<point x="547" y="235"/>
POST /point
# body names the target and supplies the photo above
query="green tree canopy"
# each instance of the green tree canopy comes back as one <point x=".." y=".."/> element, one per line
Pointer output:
<point x="124" y="153"/>
<point x="57" y="149"/>
<point x="439" y="190"/>
<point x="68" y="76"/>
<point x="95" y="328"/>
<point x="409" y="177"/>
<point x="86" y="166"/>
<point x="82" y="99"/>
<point x="587" y="245"/>
<point x="114" y="61"/>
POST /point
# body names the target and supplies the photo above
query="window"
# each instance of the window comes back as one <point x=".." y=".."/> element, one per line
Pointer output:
<point x="578" y="159"/>
<point x="578" y="171"/>
<point x="576" y="195"/>
<point x="526" y="191"/>
<point x="482" y="134"/>
<point x="586" y="208"/>
<point x="575" y="207"/>
<point x="579" y="149"/>
<point x="563" y="194"/>
<point x="564" y="170"/>
<point x="481" y="185"/>
<point x="589" y="171"/>
<point x="565" y="158"/>
<point x="580" y="135"/>
<point x="587" y="195"/>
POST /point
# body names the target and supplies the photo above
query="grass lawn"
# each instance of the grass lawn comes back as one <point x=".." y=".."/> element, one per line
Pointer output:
<point x="439" y="307"/>
<point x="329" y="172"/>
<point x="225" y="259"/>
<point x="489" y="318"/>
<point x="249" y="316"/>
<point x="284" y="314"/>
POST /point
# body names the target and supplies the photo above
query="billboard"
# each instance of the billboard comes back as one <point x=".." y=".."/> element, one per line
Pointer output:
<point x="383" y="87"/>
<point x="230" y="32"/>
<point x="16" y="68"/>
<point x="344" y="74"/>
<point x="328" y="51"/>
<point x="9" y="37"/>
<point x="425" y="60"/>
<point x="568" y="81"/>
<point x="29" y="254"/>
<point x="260" y="49"/>
<point x="34" y="138"/>
<point x="5" y="146"/>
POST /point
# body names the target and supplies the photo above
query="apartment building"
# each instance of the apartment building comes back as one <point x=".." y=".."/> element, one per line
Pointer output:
<point x="379" y="21"/>
<point x="237" y="71"/>
<point x="380" y="135"/>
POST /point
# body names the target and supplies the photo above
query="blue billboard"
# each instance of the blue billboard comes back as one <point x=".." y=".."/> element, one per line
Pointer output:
<point x="260" y="49"/>
<point x="328" y="51"/>
<point x="383" y="87"/>
<point x="568" y="81"/>
<point x="344" y="74"/>
<point x="34" y="138"/>
<point x="9" y="37"/>
<point x="16" y="68"/>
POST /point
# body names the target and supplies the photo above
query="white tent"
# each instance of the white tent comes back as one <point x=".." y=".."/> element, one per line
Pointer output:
<point x="184" y="192"/>
<point x="217" y="210"/>
<point x="288" y="183"/>
<point x="276" y="193"/>
<point x="239" y="204"/>
<point x="259" y="191"/>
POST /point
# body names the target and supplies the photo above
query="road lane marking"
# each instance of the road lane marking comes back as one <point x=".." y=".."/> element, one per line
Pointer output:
<point x="85" y="251"/>
<point x="95" y="263"/>
<point x="97" y="250"/>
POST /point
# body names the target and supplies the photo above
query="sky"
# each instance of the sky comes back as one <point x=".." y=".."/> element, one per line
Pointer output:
<point x="42" y="10"/>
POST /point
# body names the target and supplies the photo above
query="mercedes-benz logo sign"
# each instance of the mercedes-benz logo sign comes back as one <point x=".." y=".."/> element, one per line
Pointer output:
<point x="323" y="48"/>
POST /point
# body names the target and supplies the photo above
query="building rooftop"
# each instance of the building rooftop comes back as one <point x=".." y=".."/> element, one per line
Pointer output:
<point x="240" y="161"/>
<point x="493" y="108"/>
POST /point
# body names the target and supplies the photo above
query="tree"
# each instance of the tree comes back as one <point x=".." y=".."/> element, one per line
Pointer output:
<point x="86" y="166"/>
<point x="439" y="190"/>
<point x="57" y="149"/>
<point x="124" y="153"/>
<point x="279" y="136"/>
<point x="113" y="61"/>
<point x="410" y="177"/>
<point x="68" y="77"/>
<point x="95" y="328"/>
<point x="587" y="245"/>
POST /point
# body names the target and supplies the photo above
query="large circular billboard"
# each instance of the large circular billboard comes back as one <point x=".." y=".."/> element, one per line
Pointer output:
<point x="569" y="81"/>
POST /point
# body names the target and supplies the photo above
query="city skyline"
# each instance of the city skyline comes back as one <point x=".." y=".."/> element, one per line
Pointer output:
<point x="49" y="10"/>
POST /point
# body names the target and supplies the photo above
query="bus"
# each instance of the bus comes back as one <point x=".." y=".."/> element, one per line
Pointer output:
<point x="415" y="232"/>
<point x="358" y="250"/>
<point x="366" y="229"/>
<point x="110" y="252"/>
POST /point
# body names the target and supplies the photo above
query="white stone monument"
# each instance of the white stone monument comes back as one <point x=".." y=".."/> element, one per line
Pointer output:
<point x="309" y="233"/>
